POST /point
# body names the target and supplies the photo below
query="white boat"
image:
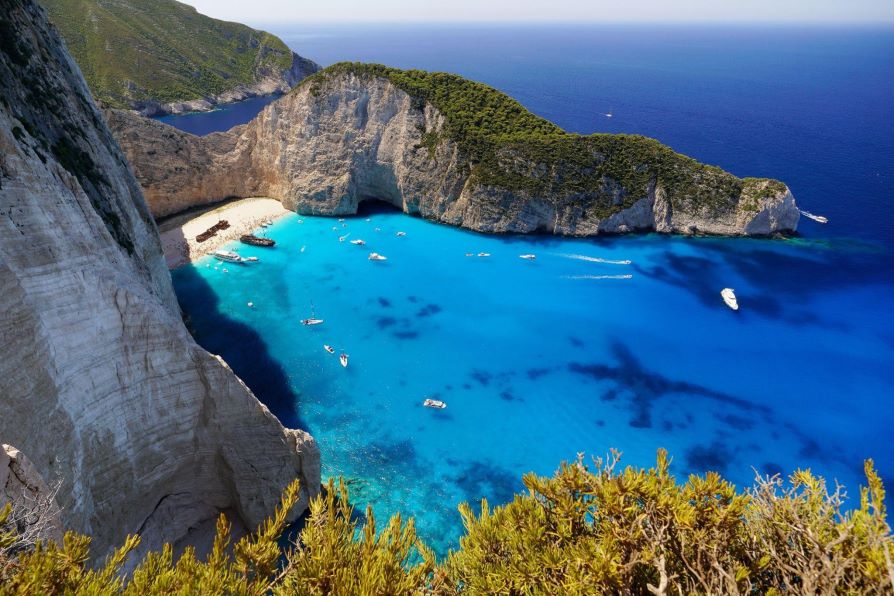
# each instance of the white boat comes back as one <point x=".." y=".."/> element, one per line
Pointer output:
<point x="609" y="114"/>
<point x="368" y="219"/>
<point x="344" y="360"/>
<point x="343" y="238"/>
<point x="302" y="248"/>
<point x="311" y="321"/>
<point x="814" y="217"/>
<point x="250" y="259"/>
<point x="341" y="219"/>
<point x="334" y="228"/>
<point x="401" y="234"/>
<point x="470" y="254"/>
<point x="434" y="403"/>
<point x="358" y="242"/>
<point x="374" y="256"/>
<point x="227" y="255"/>
<point x="527" y="257"/>
<point x="729" y="296"/>
<point x="329" y="348"/>
<point x="251" y="305"/>
<point x="378" y="229"/>
<point x="301" y="221"/>
<point x="484" y="254"/>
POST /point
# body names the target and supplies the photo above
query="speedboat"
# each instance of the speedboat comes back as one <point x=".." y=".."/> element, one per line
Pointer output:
<point x="308" y="322"/>
<point x="817" y="218"/>
<point x="729" y="296"/>
<point x="341" y="219"/>
<point x="434" y="403"/>
<point x="343" y="238"/>
<point x="401" y="234"/>
<point x="250" y="259"/>
<point x="227" y="255"/>
<point x="358" y="242"/>
<point x="484" y="254"/>
<point x="527" y="257"/>
<point x="329" y="349"/>
<point x="374" y="256"/>
<point x="343" y="358"/>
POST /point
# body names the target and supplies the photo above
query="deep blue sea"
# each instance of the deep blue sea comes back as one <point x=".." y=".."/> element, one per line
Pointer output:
<point x="540" y="360"/>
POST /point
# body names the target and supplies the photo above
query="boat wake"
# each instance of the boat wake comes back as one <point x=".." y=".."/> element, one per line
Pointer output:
<point x="593" y="259"/>
<point x="627" y="276"/>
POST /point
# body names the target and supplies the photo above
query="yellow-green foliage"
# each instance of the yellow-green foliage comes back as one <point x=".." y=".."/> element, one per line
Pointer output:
<point x="586" y="530"/>
<point x="162" y="50"/>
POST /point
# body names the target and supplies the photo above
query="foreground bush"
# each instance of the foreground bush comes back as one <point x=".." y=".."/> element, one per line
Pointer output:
<point x="585" y="530"/>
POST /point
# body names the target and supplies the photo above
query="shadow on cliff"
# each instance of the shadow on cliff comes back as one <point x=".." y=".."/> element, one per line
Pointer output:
<point x="240" y="345"/>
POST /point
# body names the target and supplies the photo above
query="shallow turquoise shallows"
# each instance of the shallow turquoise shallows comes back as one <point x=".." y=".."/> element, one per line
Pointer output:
<point x="540" y="360"/>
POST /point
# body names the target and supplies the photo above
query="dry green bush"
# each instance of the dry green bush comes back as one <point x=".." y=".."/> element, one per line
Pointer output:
<point x="588" y="529"/>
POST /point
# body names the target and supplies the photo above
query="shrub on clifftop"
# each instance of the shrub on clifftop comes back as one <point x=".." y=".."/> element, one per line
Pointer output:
<point x="585" y="530"/>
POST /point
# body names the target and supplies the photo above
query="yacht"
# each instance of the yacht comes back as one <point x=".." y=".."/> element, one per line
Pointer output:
<point x="527" y="257"/>
<point x="729" y="296"/>
<point x="817" y="218"/>
<point x="228" y="256"/>
<point x="374" y="256"/>
<point x="343" y="358"/>
<point x="434" y="403"/>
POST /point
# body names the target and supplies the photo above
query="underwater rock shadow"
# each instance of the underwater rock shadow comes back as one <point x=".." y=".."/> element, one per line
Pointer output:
<point x="240" y="345"/>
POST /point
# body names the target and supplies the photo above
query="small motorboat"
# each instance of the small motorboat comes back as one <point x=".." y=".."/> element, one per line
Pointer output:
<point x="250" y="259"/>
<point x="818" y="218"/>
<point x="358" y="242"/>
<point x="301" y="221"/>
<point x="378" y="229"/>
<point x="470" y="254"/>
<point x="343" y="358"/>
<point x="228" y="256"/>
<point x="729" y="296"/>
<point x="399" y="234"/>
<point x="484" y="254"/>
<point x="374" y="256"/>
<point x="302" y="248"/>
<point x="434" y="403"/>
<point x="334" y="229"/>
<point x="256" y="240"/>
<point x="329" y="348"/>
<point x="308" y="322"/>
<point x="341" y="219"/>
<point x="343" y="238"/>
<point x="251" y="305"/>
<point x="368" y="219"/>
<point x="527" y="257"/>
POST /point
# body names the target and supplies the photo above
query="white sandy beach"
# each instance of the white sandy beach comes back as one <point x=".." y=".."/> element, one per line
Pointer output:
<point x="178" y="234"/>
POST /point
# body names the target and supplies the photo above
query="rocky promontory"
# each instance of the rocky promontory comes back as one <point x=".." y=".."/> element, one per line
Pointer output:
<point x="450" y="150"/>
<point x="102" y="388"/>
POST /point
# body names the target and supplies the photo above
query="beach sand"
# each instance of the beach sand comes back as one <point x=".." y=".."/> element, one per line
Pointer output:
<point x="178" y="233"/>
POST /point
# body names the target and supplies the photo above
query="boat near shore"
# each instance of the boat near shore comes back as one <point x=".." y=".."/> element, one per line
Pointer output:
<point x="228" y="256"/>
<point x="817" y="218"/>
<point x="256" y="240"/>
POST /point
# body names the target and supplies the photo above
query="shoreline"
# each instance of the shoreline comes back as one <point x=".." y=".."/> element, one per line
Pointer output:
<point x="178" y="232"/>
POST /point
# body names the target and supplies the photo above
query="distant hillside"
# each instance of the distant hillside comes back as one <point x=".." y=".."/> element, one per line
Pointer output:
<point x="163" y="56"/>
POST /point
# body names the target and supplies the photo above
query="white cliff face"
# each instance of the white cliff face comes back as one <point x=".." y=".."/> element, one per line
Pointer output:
<point x="100" y="382"/>
<point x="325" y="148"/>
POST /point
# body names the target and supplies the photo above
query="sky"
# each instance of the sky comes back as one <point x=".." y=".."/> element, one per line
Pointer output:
<point x="829" y="11"/>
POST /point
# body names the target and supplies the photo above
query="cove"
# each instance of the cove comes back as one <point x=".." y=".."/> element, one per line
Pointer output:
<point x="540" y="360"/>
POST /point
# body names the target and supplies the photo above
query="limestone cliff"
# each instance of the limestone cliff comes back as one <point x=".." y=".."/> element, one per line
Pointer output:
<point x="358" y="132"/>
<point x="101" y="385"/>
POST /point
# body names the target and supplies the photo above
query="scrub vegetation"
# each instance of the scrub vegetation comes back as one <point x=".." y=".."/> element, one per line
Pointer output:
<point x="591" y="528"/>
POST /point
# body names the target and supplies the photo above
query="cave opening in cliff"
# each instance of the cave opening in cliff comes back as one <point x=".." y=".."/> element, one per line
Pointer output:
<point x="373" y="205"/>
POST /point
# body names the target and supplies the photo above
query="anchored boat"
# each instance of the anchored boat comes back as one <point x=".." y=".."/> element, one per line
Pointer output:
<point x="729" y="296"/>
<point x="434" y="403"/>
<point x="374" y="256"/>
<point x="256" y="240"/>
<point x="527" y="257"/>
<point x="228" y="256"/>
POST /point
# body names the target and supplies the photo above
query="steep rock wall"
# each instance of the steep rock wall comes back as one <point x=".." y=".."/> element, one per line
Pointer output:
<point x="326" y="147"/>
<point x="100" y="382"/>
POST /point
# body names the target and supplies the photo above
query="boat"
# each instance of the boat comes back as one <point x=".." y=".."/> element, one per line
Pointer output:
<point x="374" y="256"/>
<point x="228" y="256"/>
<point x="814" y="217"/>
<point x="251" y="259"/>
<point x="302" y="248"/>
<point x="527" y="257"/>
<point x="343" y="358"/>
<point x="343" y="238"/>
<point x="368" y="219"/>
<point x="609" y="114"/>
<point x="401" y="234"/>
<point x="311" y="321"/>
<point x="329" y="348"/>
<point x="256" y="240"/>
<point x="434" y="403"/>
<point x="470" y="254"/>
<point x="341" y="219"/>
<point x="251" y="305"/>
<point x="729" y="296"/>
<point x="484" y="254"/>
<point x="358" y="242"/>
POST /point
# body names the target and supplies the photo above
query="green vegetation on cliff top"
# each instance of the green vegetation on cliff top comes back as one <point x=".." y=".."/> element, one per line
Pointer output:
<point x="511" y="148"/>
<point x="590" y="529"/>
<point x="133" y="51"/>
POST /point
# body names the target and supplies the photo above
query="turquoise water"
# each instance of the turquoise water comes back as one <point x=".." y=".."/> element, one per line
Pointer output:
<point x="540" y="360"/>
